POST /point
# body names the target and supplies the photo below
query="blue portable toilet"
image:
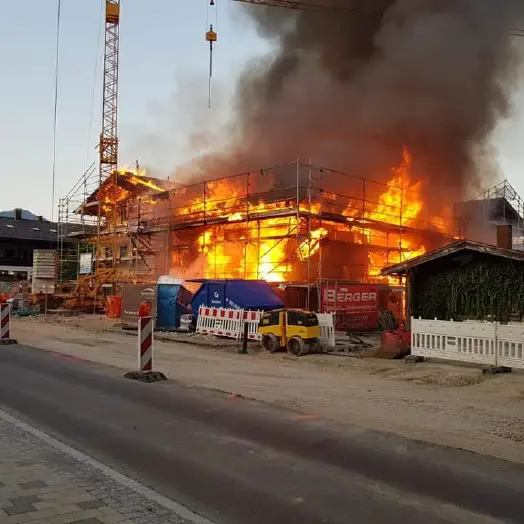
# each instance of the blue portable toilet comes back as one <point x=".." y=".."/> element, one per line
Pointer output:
<point x="236" y="294"/>
<point x="172" y="302"/>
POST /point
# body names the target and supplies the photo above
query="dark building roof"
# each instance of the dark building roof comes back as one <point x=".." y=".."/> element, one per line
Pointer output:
<point x="25" y="214"/>
<point x="37" y="230"/>
<point x="456" y="247"/>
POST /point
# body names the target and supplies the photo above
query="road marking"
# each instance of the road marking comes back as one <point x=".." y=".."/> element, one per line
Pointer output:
<point x="163" y="501"/>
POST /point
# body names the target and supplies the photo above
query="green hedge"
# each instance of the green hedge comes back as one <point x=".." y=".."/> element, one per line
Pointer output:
<point x="491" y="288"/>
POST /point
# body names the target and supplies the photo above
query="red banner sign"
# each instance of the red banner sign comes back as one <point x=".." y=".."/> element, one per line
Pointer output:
<point x="356" y="305"/>
<point x="350" y="298"/>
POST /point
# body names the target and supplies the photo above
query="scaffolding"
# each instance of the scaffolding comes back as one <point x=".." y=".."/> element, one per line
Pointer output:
<point x="74" y="227"/>
<point x="292" y="222"/>
<point x="478" y="218"/>
<point x="105" y="236"/>
<point x="289" y="223"/>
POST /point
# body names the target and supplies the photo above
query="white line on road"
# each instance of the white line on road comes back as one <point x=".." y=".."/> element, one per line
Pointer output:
<point x="152" y="495"/>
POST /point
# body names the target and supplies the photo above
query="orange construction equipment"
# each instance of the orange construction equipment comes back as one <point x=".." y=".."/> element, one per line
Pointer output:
<point x="394" y="344"/>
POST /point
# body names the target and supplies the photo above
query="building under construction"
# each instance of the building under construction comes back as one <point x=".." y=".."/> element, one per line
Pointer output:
<point x="291" y="223"/>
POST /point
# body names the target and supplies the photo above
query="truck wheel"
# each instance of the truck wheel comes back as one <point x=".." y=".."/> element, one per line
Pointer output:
<point x="296" y="347"/>
<point x="270" y="343"/>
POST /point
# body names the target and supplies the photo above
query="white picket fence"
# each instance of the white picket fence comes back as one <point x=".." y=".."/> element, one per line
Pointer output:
<point x="229" y="323"/>
<point x="488" y="343"/>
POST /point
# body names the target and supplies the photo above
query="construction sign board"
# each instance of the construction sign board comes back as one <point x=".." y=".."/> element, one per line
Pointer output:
<point x="133" y="295"/>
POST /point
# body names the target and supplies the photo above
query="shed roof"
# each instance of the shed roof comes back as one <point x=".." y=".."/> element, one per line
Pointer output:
<point x="455" y="247"/>
<point x="40" y="230"/>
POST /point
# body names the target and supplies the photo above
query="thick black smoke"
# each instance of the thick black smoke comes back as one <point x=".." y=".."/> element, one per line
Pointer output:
<point x="348" y="90"/>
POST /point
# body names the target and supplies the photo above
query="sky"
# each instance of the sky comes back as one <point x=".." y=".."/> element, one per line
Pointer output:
<point x="163" y="104"/>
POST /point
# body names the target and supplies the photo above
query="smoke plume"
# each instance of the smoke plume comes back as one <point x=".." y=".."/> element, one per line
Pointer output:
<point x="349" y="89"/>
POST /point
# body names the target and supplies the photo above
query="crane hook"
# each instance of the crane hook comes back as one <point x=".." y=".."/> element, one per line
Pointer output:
<point x="211" y="37"/>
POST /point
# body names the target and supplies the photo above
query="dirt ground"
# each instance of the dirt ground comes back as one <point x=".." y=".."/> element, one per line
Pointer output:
<point x="441" y="403"/>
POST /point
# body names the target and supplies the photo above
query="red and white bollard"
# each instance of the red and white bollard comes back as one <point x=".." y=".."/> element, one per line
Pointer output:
<point x="145" y="344"/>
<point x="5" y="324"/>
<point x="145" y="371"/>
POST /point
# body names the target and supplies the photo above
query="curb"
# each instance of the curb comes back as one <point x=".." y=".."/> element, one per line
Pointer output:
<point x="7" y="341"/>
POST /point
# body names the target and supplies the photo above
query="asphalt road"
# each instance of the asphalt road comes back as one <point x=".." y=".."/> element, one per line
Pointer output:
<point x="236" y="461"/>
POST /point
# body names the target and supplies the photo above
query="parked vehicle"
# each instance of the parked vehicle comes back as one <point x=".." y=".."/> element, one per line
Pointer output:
<point x="296" y="330"/>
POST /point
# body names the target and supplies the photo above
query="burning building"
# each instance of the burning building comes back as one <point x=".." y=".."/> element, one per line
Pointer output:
<point x="402" y="116"/>
<point x="290" y="223"/>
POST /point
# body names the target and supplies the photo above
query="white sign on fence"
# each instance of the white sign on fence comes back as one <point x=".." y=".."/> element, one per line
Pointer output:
<point x="488" y="343"/>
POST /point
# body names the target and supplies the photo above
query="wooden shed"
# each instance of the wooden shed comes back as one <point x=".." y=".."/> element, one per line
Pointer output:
<point x="464" y="280"/>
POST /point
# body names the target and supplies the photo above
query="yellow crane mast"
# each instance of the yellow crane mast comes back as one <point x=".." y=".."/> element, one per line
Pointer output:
<point x="108" y="143"/>
<point x="109" y="135"/>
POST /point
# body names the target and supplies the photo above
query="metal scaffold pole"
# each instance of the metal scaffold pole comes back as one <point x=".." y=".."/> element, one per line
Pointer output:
<point x="308" y="296"/>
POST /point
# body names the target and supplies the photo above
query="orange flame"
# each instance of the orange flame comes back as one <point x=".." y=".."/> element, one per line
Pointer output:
<point x="307" y="248"/>
<point x="399" y="205"/>
<point x="264" y="246"/>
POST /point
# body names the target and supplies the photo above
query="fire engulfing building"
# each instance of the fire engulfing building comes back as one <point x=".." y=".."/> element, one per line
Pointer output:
<point x="291" y="223"/>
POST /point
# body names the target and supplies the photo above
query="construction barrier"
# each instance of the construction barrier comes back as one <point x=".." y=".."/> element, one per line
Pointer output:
<point x="145" y="344"/>
<point x="5" y="324"/>
<point x="510" y="345"/>
<point x="488" y="343"/>
<point x="229" y="323"/>
<point x="326" y="322"/>
<point x="5" y="321"/>
<point x="221" y="322"/>
<point x="145" y="371"/>
<point x="252" y="318"/>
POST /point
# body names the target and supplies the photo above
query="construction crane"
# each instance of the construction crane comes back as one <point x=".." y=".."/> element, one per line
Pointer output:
<point x="108" y="142"/>
<point x="89" y="286"/>
<point x="109" y="135"/>
<point x="306" y="5"/>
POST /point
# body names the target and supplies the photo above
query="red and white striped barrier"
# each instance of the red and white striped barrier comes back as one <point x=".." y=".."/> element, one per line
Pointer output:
<point x="219" y="321"/>
<point x="229" y="323"/>
<point x="145" y="371"/>
<point x="5" y="324"/>
<point x="5" y="321"/>
<point x="145" y="344"/>
<point x="253" y="320"/>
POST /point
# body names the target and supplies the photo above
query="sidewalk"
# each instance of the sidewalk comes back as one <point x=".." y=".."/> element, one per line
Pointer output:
<point x="43" y="483"/>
